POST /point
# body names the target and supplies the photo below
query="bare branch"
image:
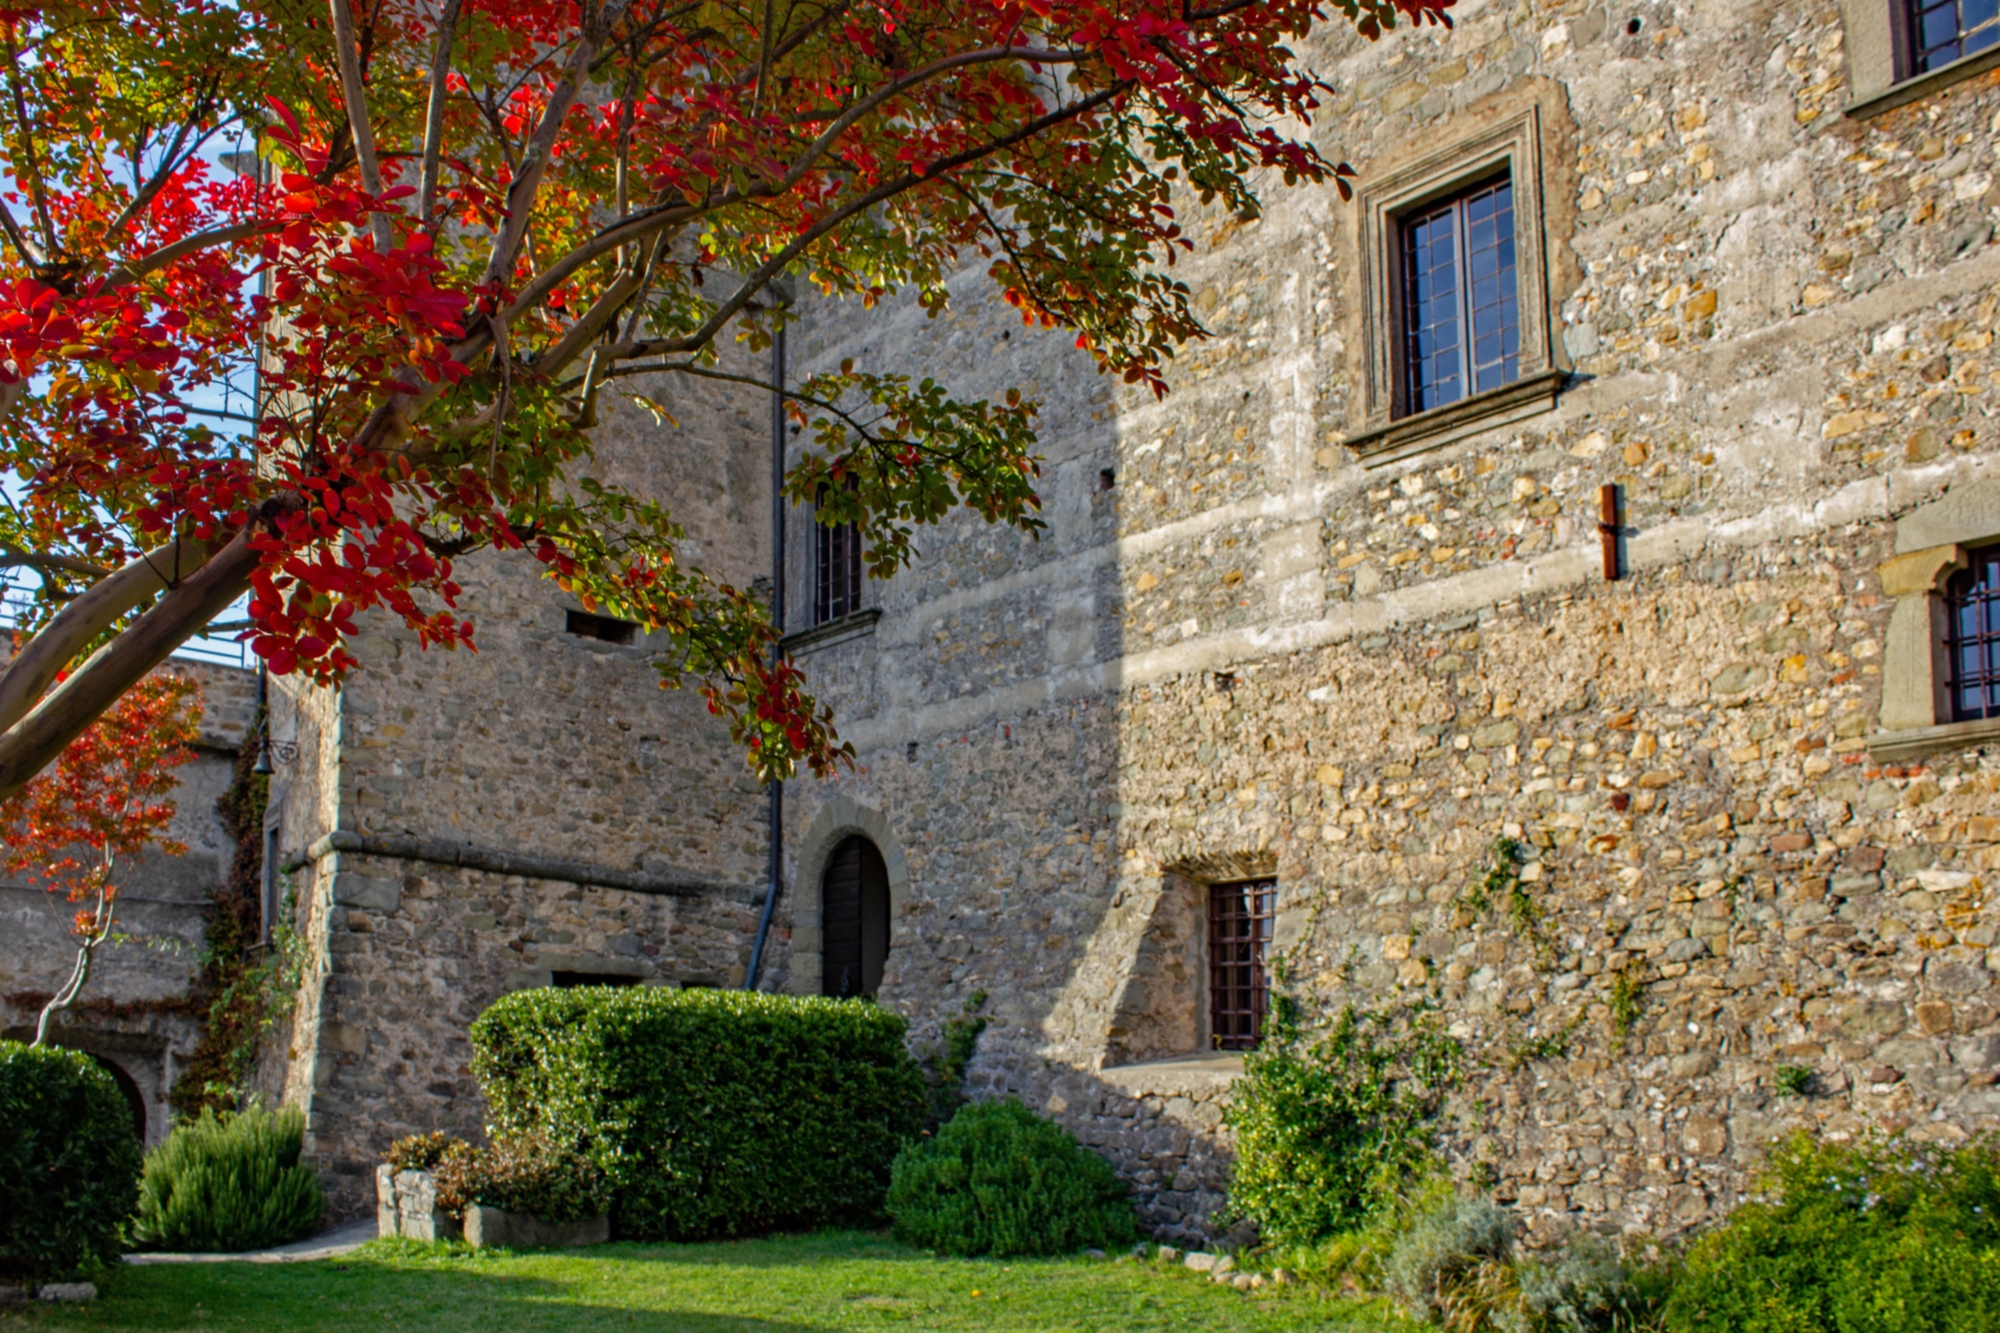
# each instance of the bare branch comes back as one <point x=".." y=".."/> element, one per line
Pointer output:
<point x="97" y="609"/>
<point x="348" y="46"/>
<point x="133" y="270"/>
<point x="447" y="33"/>
<point x="535" y="161"/>
<point x="13" y="557"/>
<point x="32" y="741"/>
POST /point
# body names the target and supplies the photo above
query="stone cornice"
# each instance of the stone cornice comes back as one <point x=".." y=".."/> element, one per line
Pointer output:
<point x="437" y="851"/>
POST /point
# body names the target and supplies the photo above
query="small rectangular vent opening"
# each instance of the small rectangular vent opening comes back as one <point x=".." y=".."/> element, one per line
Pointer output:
<point x="571" y="980"/>
<point x="607" y="629"/>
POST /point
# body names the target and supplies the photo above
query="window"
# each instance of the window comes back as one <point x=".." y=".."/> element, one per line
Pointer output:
<point x="1972" y="636"/>
<point x="1461" y="315"/>
<point x="1239" y="934"/>
<point x="836" y="571"/>
<point x="1451" y="322"/>
<point x="1942" y="31"/>
<point x="606" y="629"/>
<point x="854" y="920"/>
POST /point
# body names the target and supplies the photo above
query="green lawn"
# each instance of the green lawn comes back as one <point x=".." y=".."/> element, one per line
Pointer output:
<point x="799" y="1284"/>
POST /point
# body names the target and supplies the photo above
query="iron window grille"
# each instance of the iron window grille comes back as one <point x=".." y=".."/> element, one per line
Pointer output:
<point x="1239" y="937"/>
<point x="1972" y="634"/>
<point x="1942" y="31"/>
<point x="1461" y="306"/>
<point x="836" y="571"/>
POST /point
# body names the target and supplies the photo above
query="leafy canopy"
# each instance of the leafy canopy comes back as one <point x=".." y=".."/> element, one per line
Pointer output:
<point x="470" y="219"/>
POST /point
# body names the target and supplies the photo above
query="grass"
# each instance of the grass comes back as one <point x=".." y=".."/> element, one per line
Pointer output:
<point x="798" y="1284"/>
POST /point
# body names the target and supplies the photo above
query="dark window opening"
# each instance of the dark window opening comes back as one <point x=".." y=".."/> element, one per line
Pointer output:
<point x="1106" y="478"/>
<point x="609" y="629"/>
<point x="1461" y="314"/>
<point x="1239" y="937"/>
<point x="1972" y="637"/>
<point x="854" y="920"/>
<point x="836" y="571"/>
<point x="571" y="980"/>
<point x="1942" y="31"/>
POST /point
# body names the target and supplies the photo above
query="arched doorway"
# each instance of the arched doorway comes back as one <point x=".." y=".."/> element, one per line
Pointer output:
<point x="129" y="1089"/>
<point x="854" y="919"/>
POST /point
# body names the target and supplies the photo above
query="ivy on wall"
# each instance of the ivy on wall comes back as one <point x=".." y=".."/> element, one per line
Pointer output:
<point x="243" y="986"/>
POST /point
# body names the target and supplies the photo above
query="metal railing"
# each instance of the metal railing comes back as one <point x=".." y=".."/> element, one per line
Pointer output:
<point x="17" y="590"/>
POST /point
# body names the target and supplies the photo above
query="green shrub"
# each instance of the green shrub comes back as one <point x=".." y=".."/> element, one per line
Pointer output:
<point x="523" y="1174"/>
<point x="710" y="1113"/>
<point x="229" y="1183"/>
<point x="1328" y="1130"/>
<point x="420" y="1152"/>
<point x="999" y="1179"/>
<point x="1586" y="1286"/>
<point x="1871" y="1238"/>
<point x="1453" y="1265"/>
<point x="69" y="1163"/>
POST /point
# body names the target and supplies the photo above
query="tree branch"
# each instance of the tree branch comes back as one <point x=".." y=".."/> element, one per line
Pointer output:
<point x="447" y="33"/>
<point x="348" y="47"/>
<point x="535" y="161"/>
<point x="92" y="612"/>
<point x="29" y="744"/>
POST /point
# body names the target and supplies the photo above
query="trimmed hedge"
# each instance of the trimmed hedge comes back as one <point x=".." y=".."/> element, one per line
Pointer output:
<point x="69" y="1163"/>
<point x="1001" y="1180"/>
<point x="229" y="1183"/>
<point x="711" y="1113"/>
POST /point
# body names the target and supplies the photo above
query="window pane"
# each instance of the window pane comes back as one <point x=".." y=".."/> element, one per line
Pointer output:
<point x="1973" y="631"/>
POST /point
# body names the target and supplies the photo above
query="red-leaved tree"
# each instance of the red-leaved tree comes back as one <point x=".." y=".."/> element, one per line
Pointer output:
<point x="471" y="219"/>
<point x="73" y="829"/>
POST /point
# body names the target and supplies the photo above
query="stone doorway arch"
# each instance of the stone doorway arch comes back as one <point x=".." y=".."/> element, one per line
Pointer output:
<point x="839" y="819"/>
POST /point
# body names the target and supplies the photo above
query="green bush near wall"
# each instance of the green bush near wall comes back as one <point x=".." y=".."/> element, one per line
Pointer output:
<point x="229" y="1183"/>
<point x="712" y="1113"/>
<point x="69" y="1163"/>
<point x="1001" y="1180"/>
<point x="1894" y="1237"/>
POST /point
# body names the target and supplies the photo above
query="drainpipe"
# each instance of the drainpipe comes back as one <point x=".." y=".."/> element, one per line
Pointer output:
<point x="777" y="789"/>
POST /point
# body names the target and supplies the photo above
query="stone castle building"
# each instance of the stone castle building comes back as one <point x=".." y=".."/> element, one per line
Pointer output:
<point x="1616" y="475"/>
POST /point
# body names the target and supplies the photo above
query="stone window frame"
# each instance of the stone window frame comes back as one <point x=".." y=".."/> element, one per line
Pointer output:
<point x="842" y="817"/>
<point x="1513" y="143"/>
<point x="1878" y="56"/>
<point x="1179" y="890"/>
<point x="1932" y="543"/>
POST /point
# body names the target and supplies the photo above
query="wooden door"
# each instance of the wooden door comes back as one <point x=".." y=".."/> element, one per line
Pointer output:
<point x="854" y="920"/>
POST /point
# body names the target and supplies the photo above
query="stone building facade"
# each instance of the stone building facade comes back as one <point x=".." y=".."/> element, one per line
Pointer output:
<point x="1282" y="625"/>
<point x="134" y="1016"/>
<point x="1289" y="625"/>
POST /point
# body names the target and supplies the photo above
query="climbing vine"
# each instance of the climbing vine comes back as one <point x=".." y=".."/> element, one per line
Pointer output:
<point x="243" y="986"/>
<point x="1501" y="889"/>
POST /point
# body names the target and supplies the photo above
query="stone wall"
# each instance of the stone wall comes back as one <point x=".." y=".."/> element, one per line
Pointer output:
<point x="541" y="745"/>
<point x="133" y="1015"/>
<point x="1253" y="654"/>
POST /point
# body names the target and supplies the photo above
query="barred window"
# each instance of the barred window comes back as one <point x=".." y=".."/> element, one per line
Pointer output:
<point x="1942" y="31"/>
<point x="1972" y="629"/>
<point x="1239" y="934"/>
<point x="836" y="571"/>
<point x="1461" y="312"/>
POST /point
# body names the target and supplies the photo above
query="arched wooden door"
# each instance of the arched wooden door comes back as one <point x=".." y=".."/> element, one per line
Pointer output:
<point x="854" y="920"/>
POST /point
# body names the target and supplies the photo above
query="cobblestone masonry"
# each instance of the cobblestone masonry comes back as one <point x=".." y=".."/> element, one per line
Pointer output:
<point x="541" y="744"/>
<point x="1248" y="654"/>
<point x="131" y="1016"/>
<point x="1238" y="651"/>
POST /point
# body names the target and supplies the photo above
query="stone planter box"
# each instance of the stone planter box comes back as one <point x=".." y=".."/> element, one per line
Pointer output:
<point x="406" y="1205"/>
<point x="487" y="1227"/>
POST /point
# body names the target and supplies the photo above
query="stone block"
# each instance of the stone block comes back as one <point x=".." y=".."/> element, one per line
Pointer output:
<point x="367" y="891"/>
<point x="65" y="1293"/>
<point x="496" y="1228"/>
